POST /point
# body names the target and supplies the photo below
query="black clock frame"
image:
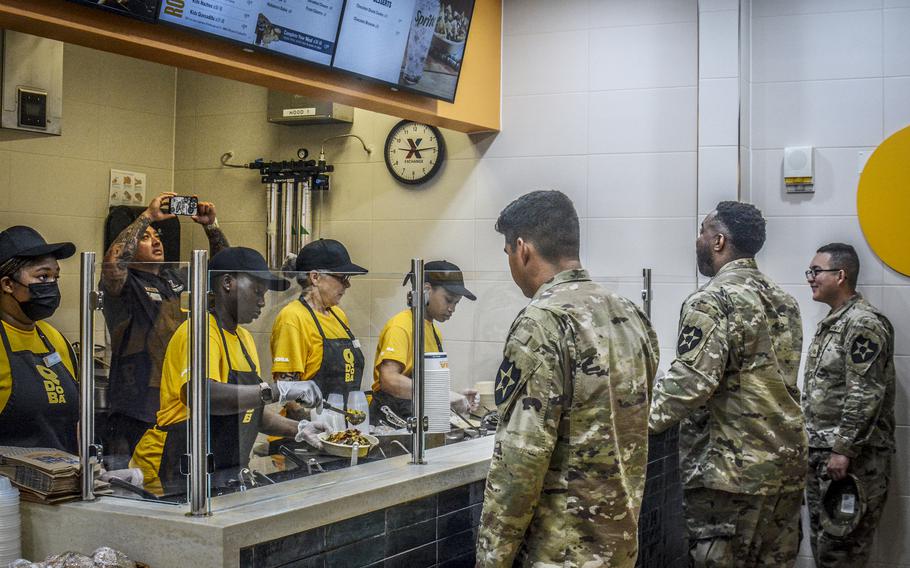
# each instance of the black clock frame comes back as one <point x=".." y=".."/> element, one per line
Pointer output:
<point x="441" y="153"/>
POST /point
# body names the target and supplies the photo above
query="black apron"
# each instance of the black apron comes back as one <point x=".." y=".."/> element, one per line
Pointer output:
<point x="400" y="406"/>
<point x="231" y="436"/>
<point x="43" y="406"/>
<point x="342" y="361"/>
<point x="141" y="321"/>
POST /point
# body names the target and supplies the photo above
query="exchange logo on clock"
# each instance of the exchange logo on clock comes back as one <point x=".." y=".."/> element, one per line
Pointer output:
<point x="414" y="152"/>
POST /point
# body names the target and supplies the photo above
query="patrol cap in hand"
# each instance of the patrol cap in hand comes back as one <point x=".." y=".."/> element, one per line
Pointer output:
<point x="249" y="261"/>
<point x="446" y="274"/>
<point x="843" y="506"/>
<point x="27" y="242"/>
<point x="328" y="255"/>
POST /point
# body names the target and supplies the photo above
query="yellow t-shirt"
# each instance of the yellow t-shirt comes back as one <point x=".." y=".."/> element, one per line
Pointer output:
<point x="395" y="343"/>
<point x="296" y="343"/>
<point x="21" y="340"/>
<point x="176" y="366"/>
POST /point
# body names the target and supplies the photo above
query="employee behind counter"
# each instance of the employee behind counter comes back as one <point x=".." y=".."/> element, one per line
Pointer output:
<point x="142" y="311"/>
<point x="39" y="396"/>
<point x="311" y="337"/>
<point x="240" y="279"/>
<point x="443" y="289"/>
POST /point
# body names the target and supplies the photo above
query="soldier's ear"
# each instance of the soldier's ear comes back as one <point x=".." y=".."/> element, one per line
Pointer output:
<point x="720" y="241"/>
<point x="524" y="249"/>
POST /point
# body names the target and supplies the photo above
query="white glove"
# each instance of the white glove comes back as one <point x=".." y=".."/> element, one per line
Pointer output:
<point x="309" y="432"/>
<point x="306" y="393"/>
<point x="133" y="476"/>
<point x="463" y="402"/>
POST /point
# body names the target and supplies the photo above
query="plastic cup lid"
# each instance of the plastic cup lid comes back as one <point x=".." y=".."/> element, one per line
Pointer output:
<point x="5" y="484"/>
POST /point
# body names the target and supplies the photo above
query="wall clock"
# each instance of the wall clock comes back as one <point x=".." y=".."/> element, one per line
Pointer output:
<point x="414" y="152"/>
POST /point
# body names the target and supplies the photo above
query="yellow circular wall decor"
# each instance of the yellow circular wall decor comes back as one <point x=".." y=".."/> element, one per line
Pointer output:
<point x="883" y="201"/>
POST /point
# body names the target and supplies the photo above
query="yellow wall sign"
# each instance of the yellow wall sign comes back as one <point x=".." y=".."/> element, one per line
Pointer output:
<point x="883" y="201"/>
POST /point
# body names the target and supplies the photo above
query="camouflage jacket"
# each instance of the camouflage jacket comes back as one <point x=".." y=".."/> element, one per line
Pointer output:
<point x="568" y="469"/>
<point x="733" y="386"/>
<point x="848" y="395"/>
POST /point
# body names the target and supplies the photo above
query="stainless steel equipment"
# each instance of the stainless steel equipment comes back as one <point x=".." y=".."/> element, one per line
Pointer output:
<point x="296" y="110"/>
<point x="418" y="423"/>
<point x="199" y="457"/>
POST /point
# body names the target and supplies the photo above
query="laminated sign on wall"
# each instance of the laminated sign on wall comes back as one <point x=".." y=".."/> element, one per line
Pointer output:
<point x="127" y="188"/>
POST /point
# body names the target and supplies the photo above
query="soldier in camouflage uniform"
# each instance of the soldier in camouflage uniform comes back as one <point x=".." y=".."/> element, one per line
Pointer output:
<point x="568" y="470"/>
<point x="849" y="403"/>
<point x="742" y="439"/>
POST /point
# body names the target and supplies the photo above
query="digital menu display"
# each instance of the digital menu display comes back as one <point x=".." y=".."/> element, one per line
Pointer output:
<point x="142" y="9"/>
<point x="305" y="29"/>
<point x="416" y="45"/>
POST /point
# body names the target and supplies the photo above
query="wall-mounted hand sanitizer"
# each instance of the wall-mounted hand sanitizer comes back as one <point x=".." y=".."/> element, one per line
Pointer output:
<point x="799" y="169"/>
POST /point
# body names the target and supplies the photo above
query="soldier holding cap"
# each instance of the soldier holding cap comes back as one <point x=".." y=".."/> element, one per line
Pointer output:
<point x="311" y="337"/>
<point x="39" y="396"/>
<point x="849" y="406"/>
<point x="732" y="387"/>
<point x="443" y="289"/>
<point x="239" y="280"/>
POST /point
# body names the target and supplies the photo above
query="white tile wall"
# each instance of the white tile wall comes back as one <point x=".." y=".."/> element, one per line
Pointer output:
<point x="838" y="45"/>
<point x="718" y="112"/>
<point x="642" y="57"/>
<point x="641" y="185"/>
<point x="718" y="176"/>
<point x="656" y="120"/>
<point x="563" y="56"/>
<point x="620" y="248"/>
<point x="763" y="8"/>
<point x="897" y="48"/>
<point x="897" y="104"/>
<point x="613" y="13"/>
<point x="817" y="113"/>
<point x="542" y="125"/>
<point x="543" y="16"/>
<point x="718" y="43"/>
<point x="501" y="180"/>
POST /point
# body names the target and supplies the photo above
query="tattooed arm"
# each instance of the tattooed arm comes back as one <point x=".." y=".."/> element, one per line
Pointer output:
<point x="123" y="250"/>
<point x="205" y="216"/>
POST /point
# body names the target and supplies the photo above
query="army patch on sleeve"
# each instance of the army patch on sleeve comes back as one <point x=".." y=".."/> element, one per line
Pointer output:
<point x="508" y="377"/>
<point x="689" y="338"/>
<point x="863" y="350"/>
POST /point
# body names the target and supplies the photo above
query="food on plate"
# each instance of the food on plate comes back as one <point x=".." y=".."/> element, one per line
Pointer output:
<point x="348" y="438"/>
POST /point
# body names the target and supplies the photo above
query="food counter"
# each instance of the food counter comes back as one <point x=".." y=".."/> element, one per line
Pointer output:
<point x="385" y="510"/>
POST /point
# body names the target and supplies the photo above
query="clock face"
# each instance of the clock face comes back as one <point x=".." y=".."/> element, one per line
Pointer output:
<point x="414" y="152"/>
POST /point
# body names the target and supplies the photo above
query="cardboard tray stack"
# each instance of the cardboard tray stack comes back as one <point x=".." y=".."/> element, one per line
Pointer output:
<point x="45" y="475"/>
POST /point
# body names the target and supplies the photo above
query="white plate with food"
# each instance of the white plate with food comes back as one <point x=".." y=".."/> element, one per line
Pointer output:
<point x="341" y="443"/>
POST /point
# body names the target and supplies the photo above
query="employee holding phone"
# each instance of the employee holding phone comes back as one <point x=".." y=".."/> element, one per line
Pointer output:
<point x="311" y="337"/>
<point x="39" y="396"/>
<point x="142" y="311"/>
<point x="443" y="289"/>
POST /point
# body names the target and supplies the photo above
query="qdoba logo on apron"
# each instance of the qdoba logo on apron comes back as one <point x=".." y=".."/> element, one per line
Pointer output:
<point x="348" y="366"/>
<point x="52" y="385"/>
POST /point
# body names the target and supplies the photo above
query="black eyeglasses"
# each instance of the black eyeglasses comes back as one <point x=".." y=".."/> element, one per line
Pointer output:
<point x="343" y="278"/>
<point x="813" y="273"/>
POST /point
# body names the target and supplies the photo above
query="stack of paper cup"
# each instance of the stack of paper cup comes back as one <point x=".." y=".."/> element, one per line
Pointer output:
<point x="485" y="392"/>
<point x="436" y="391"/>
<point x="10" y="537"/>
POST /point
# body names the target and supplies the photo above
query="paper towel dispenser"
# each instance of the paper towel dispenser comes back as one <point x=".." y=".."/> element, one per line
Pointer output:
<point x="32" y="83"/>
<point x="297" y="110"/>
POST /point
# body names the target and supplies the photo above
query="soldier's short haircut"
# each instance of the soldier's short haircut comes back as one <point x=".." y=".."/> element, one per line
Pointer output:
<point x="745" y="225"/>
<point x="843" y="256"/>
<point x="545" y="218"/>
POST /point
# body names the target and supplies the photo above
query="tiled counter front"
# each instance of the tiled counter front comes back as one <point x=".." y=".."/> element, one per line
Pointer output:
<point x="438" y="530"/>
<point x="661" y="534"/>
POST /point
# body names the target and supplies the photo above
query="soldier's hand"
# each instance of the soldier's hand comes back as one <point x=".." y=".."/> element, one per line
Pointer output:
<point x="837" y="466"/>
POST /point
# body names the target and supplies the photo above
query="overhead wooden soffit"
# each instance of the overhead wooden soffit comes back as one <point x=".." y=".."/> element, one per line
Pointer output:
<point x="476" y="108"/>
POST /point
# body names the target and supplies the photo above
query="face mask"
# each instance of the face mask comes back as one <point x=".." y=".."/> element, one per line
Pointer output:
<point x="43" y="302"/>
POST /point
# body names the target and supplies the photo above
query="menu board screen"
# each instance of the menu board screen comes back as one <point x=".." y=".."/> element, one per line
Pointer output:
<point x="417" y="45"/>
<point x="142" y="9"/>
<point x="305" y="29"/>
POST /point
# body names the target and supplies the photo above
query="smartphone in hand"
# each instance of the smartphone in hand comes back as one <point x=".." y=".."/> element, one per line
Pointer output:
<point x="181" y="205"/>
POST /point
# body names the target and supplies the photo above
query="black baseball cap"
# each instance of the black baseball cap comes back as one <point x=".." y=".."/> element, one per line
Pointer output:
<point x="249" y="261"/>
<point x="326" y="254"/>
<point x="446" y="274"/>
<point x="27" y="242"/>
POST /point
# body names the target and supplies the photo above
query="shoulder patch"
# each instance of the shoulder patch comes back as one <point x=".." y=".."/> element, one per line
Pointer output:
<point x="508" y="377"/>
<point x="863" y="350"/>
<point x="689" y="338"/>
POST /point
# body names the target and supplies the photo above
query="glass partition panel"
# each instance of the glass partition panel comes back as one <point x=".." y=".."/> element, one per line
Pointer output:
<point x="141" y="369"/>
